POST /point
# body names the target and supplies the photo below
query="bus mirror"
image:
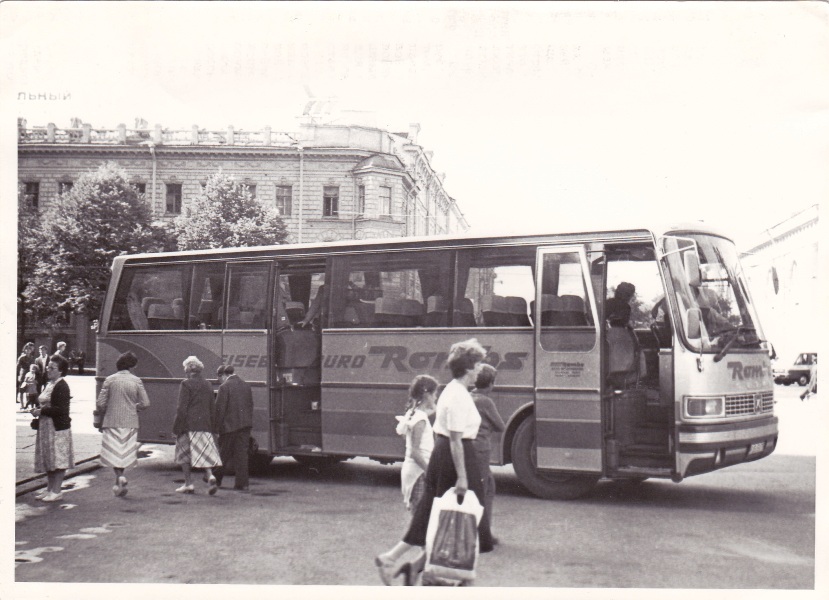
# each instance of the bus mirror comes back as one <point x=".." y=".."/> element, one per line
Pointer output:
<point x="692" y="269"/>
<point x="692" y="327"/>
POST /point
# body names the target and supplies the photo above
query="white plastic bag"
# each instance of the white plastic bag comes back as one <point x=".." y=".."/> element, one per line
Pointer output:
<point x="452" y="537"/>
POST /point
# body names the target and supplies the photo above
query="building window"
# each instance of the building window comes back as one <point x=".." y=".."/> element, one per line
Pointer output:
<point x="64" y="187"/>
<point x="385" y="201"/>
<point x="283" y="199"/>
<point x="141" y="188"/>
<point x="32" y="193"/>
<point x="361" y="199"/>
<point x="174" y="198"/>
<point x="330" y="201"/>
<point x="252" y="190"/>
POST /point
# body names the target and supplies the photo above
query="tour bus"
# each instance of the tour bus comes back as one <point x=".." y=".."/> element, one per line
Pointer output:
<point x="330" y="335"/>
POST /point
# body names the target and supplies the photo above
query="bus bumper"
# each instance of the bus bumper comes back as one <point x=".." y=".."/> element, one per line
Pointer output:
<point x="705" y="448"/>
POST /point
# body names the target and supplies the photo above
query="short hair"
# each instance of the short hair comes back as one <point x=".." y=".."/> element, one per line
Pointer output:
<point x="28" y="345"/>
<point x="220" y="370"/>
<point x="229" y="370"/>
<point x="463" y="356"/>
<point x="61" y="363"/>
<point x="192" y="364"/>
<point x="126" y="361"/>
<point x="41" y="347"/>
<point x="486" y="377"/>
<point x="61" y="344"/>
<point x="625" y="290"/>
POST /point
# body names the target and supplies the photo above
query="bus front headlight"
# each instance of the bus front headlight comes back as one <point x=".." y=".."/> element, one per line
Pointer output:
<point x="704" y="407"/>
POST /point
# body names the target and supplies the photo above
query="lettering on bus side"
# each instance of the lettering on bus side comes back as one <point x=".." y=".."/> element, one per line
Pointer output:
<point x="399" y="359"/>
<point x="252" y="361"/>
<point x="741" y="371"/>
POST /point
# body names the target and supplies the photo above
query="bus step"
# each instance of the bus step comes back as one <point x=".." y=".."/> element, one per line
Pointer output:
<point x="645" y="471"/>
<point x="646" y="450"/>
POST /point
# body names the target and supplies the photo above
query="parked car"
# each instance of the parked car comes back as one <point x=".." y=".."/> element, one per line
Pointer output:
<point x="799" y="372"/>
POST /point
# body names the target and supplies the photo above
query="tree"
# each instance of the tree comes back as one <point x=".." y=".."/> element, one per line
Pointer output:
<point x="101" y="217"/>
<point x="225" y="215"/>
<point x="28" y="234"/>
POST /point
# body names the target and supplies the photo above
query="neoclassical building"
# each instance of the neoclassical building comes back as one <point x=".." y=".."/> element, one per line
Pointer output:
<point x="329" y="182"/>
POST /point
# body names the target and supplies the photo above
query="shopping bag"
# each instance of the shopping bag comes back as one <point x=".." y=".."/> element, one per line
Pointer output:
<point x="452" y="537"/>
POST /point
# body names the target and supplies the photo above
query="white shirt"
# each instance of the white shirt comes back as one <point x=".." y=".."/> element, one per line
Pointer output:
<point x="456" y="412"/>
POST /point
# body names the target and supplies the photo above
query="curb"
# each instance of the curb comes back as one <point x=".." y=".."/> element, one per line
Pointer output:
<point x="30" y="484"/>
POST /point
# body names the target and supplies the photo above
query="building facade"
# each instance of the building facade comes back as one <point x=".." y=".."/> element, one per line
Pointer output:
<point x="329" y="182"/>
<point x="782" y="269"/>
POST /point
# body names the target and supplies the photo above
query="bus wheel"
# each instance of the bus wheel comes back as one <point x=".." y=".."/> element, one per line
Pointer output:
<point x="317" y="462"/>
<point x="562" y="486"/>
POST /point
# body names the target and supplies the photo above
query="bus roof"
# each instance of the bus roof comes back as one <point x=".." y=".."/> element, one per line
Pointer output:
<point x="468" y="239"/>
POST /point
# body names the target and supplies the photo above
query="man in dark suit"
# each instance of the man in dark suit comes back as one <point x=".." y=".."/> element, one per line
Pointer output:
<point x="234" y="419"/>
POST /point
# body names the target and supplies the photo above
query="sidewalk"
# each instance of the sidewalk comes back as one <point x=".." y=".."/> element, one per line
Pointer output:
<point x="86" y="440"/>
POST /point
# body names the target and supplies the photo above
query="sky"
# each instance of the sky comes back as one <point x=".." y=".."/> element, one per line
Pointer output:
<point x="553" y="116"/>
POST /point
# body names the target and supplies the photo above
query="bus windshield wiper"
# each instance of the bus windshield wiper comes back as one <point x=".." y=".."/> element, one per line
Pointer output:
<point x="737" y="331"/>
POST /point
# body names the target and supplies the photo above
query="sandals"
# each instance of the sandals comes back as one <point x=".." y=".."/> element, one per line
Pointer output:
<point x="212" y="486"/>
<point x="120" y="489"/>
<point x="186" y="489"/>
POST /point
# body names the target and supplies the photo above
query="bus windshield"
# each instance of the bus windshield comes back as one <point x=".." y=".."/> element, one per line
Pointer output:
<point x="711" y="295"/>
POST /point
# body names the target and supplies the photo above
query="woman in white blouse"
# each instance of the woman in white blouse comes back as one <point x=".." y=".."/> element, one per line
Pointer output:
<point x="453" y="462"/>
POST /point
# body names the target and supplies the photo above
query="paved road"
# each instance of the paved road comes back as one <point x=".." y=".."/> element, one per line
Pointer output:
<point x="751" y="526"/>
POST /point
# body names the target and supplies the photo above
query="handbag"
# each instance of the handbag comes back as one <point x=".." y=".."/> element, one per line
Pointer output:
<point x="452" y="537"/>
<point x="97" y="419"/>
<point x="35" y="423"/>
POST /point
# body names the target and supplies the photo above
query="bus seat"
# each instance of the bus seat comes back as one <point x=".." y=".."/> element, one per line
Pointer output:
<point x="517" y="308"/>
<point x="572" y="308"/>
<point x="414" y="312"/>
<point x="149" y="301"/>
<point x="390" y="312"/>
<point x="178" y="308"/>
<point x="550" y="310"/>
<point x="465" y="314"/>
<point x="436" y="312"/>
<point x="205" y="308"/>
<point x="623" y="359"/>
<point x="161" y="316"/>
<point x="494" y="311"/>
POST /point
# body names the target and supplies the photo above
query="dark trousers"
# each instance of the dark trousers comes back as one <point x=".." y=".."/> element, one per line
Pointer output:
<point x="488" y="482"/>
<point x="233" y="449"/>
<point x="440" y="476"/>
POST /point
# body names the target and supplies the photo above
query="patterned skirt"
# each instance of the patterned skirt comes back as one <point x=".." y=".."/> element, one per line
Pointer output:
<point x="119" y="447"/>
<point x="53" y="449"/>
<point x="198" y="449"/>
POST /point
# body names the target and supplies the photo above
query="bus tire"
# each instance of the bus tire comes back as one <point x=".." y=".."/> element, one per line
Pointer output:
<point x="564" y="486"/>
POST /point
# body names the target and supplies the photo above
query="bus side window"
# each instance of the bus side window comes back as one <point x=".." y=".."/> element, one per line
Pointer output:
<point x="247" y="297"/>
<point x="392" y="289"/>
<point x="150" y="298"/>
<point x="206" y="296"/>
<point x="566" y="317"/>
<point x="496" y="287"/>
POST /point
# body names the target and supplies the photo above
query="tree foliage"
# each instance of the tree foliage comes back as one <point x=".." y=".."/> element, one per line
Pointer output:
<point x="101" y="217"/>
<point x="28" y="234"/>
<point x="225" y="215"/>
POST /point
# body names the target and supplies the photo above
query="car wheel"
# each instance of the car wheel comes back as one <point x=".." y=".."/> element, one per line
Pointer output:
<point x="802" y="380"/>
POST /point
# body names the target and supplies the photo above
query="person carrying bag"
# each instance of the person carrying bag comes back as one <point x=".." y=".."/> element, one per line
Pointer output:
<point x="452" y="539"/>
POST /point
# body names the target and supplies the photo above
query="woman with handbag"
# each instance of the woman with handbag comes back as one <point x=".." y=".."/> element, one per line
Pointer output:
<point x="453" y="462"/>
<point x="122" y="396"/>
<point x="53" y="445"/>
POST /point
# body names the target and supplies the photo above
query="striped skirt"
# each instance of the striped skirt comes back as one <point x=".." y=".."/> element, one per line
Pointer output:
<point x="198" y="449"/>
<point x="119" y="447"/>
<point x="53" y="449"/>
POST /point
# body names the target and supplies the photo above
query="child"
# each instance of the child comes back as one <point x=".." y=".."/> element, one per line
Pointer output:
<point x="414" y="424"/>
<point x="491" y="422"/>
<point x="29" y="386"/>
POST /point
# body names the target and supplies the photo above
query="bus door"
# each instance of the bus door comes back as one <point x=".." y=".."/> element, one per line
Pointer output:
<point x="296" y="415"/>
<point x="245" y="336"/>
<point x="568" y="416"/>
